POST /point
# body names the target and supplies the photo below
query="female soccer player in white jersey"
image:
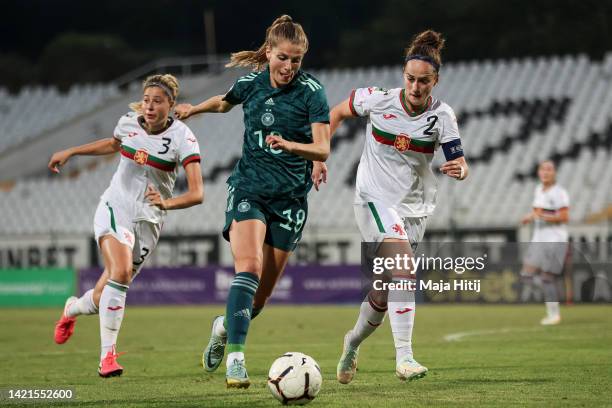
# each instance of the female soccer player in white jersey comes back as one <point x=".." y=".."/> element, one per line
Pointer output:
<point x="546" y="253"/>
<point x="131" y="212"/>
<point x="396" y="187"/>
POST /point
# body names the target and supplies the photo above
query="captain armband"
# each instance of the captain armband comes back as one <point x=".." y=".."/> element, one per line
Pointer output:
<point x="453" y="149"/>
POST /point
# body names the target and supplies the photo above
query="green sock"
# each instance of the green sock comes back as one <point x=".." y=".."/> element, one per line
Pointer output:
<point x="238" y="310"/>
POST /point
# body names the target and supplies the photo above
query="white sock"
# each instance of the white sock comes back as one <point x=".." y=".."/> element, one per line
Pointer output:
<point x="83" y="305"/>
<point x="219" y="328"/>
<point x="370" y="317"/>
<point x="401" y="316"/>
<point x="552" y="309"/>
<point x="235" y="355"/>
<point x="112" y="308"/>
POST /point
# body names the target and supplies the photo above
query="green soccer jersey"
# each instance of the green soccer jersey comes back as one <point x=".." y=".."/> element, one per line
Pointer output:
<point x="288" y="111"/>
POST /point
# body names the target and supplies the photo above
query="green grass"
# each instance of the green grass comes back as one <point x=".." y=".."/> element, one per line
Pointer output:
<point x="506" y="359"/>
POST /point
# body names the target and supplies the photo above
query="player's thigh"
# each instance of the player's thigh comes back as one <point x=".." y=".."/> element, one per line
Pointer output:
<point x="554" y="255"/>
<point x="245" y="229"/>
<point x="377" y="222"/>
<point x="117" y="258"/>
<point x="146" y="237"/>
<point x="274" y="263"/>
<point x="113" y="221"/>
<point x="415" y="230"/>
<point x="534" y="259"/>
<point x="246" y="242"/>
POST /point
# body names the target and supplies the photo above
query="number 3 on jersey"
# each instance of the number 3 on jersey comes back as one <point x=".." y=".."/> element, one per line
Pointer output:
<point x="263" y="145"/>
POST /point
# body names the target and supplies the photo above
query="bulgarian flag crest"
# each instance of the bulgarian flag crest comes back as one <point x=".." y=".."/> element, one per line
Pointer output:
<point x="402" y="142"/>
<point x="141" y="156"/>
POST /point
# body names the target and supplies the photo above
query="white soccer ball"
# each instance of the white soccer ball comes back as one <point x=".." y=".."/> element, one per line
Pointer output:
<point x="294" y="379"/>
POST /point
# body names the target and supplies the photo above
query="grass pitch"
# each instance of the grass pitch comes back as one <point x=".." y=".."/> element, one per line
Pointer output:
<point x="477" y="356"/>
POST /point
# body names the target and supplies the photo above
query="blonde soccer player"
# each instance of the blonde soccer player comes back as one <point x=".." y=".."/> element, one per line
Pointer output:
<point x="396" y="187"/>
<point x="131" y="212"/>
<point x="547" y="251"/>
<point x="286" y="120"/>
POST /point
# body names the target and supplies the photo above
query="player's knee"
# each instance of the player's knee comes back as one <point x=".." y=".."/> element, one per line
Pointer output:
<point x="121" y="274"/>
<point x="379" y="298"/>
<point x="249" y="263"/>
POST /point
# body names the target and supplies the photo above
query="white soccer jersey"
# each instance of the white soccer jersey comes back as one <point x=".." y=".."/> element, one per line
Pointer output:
<point x="550" y="202"/>
<point x="395" y="166"/>
<point x="148" y="160"/>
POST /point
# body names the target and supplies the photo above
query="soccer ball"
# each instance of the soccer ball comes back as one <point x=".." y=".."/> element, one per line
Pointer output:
<point x="294" y="379"/>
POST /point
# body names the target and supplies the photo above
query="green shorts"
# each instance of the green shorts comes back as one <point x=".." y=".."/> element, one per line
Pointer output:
<point x="284" y="217"/>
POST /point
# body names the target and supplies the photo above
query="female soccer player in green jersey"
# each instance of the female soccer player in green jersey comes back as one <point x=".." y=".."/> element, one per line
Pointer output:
<point x="286" y="120"/>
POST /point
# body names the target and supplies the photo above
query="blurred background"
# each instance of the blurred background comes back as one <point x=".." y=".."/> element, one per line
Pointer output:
<point x="528" y="81"/>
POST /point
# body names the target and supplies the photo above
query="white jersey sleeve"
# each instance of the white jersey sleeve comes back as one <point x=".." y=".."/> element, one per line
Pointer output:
<point x="362" y="100"/>
<point x="448" y="122"/>
<point x="563" y="198"/>
<point x="188" y="148"/>
<point x="124" y="126"/>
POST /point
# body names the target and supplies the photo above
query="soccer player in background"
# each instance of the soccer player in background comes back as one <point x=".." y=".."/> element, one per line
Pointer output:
<point x="129" y="218"/>
<point x="548" y="248"/>
<point x="286" y="120"/>
<point x="396" y="187"/>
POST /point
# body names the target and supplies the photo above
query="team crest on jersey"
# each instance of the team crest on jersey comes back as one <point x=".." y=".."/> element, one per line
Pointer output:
<point x="244" y="206"/>
<point x="267" y="119"/>
<point x="141" y="157"/>
<point x="402" y="142"/>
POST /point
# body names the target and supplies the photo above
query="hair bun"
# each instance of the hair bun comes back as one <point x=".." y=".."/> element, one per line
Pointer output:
<point x="429" y="38"/>
<point x="285" y="18"/>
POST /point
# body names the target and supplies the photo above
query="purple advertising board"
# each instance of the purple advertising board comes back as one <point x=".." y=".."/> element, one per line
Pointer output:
<point x="209" y="285"/>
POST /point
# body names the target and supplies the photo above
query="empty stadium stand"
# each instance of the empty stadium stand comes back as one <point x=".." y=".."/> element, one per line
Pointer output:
<point x="512" y="114"/>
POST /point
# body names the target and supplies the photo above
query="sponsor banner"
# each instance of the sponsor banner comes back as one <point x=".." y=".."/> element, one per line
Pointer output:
<point x="299" y="284"/>
<point x="176" y="251"/>
<point x="44" y="251"/>
<point x="36" y="287"/>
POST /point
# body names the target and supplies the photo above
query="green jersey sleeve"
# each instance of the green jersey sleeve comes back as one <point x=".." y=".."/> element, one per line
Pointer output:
<point x="318" y="110"/>
<point x="238" y="93"/>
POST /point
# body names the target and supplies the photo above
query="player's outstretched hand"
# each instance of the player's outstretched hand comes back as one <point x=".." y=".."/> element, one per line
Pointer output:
<point x="58" y="160"/>
<point x="183" y="111"/>
<point x="454" y="169"/>
<point x="319" y="174"/>
<point x="277" y="142"/>
<point x="154" y="197"/>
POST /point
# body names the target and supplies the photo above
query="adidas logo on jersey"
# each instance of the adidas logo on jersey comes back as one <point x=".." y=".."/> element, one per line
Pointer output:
<point x="270" y="101"/>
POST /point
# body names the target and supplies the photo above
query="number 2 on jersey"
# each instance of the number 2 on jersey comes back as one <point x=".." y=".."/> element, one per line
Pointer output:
<point x="433" y="120"/>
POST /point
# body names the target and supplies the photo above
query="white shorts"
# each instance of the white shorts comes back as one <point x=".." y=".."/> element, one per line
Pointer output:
<point x="378" y="222"/>
<point x="547" y="256"/>
<point x="140" y="236"/>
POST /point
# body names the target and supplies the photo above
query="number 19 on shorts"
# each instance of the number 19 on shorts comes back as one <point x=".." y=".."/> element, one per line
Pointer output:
<point x="294" y="225"/>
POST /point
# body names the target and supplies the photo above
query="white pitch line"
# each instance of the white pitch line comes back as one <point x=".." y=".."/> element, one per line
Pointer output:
<point x="461" y="335"/>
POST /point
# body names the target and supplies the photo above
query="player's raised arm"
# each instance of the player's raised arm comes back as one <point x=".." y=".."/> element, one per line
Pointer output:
<point x="216" y="104"/>
<point x="340" y="112"/>
<point x="97" y="148"/>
